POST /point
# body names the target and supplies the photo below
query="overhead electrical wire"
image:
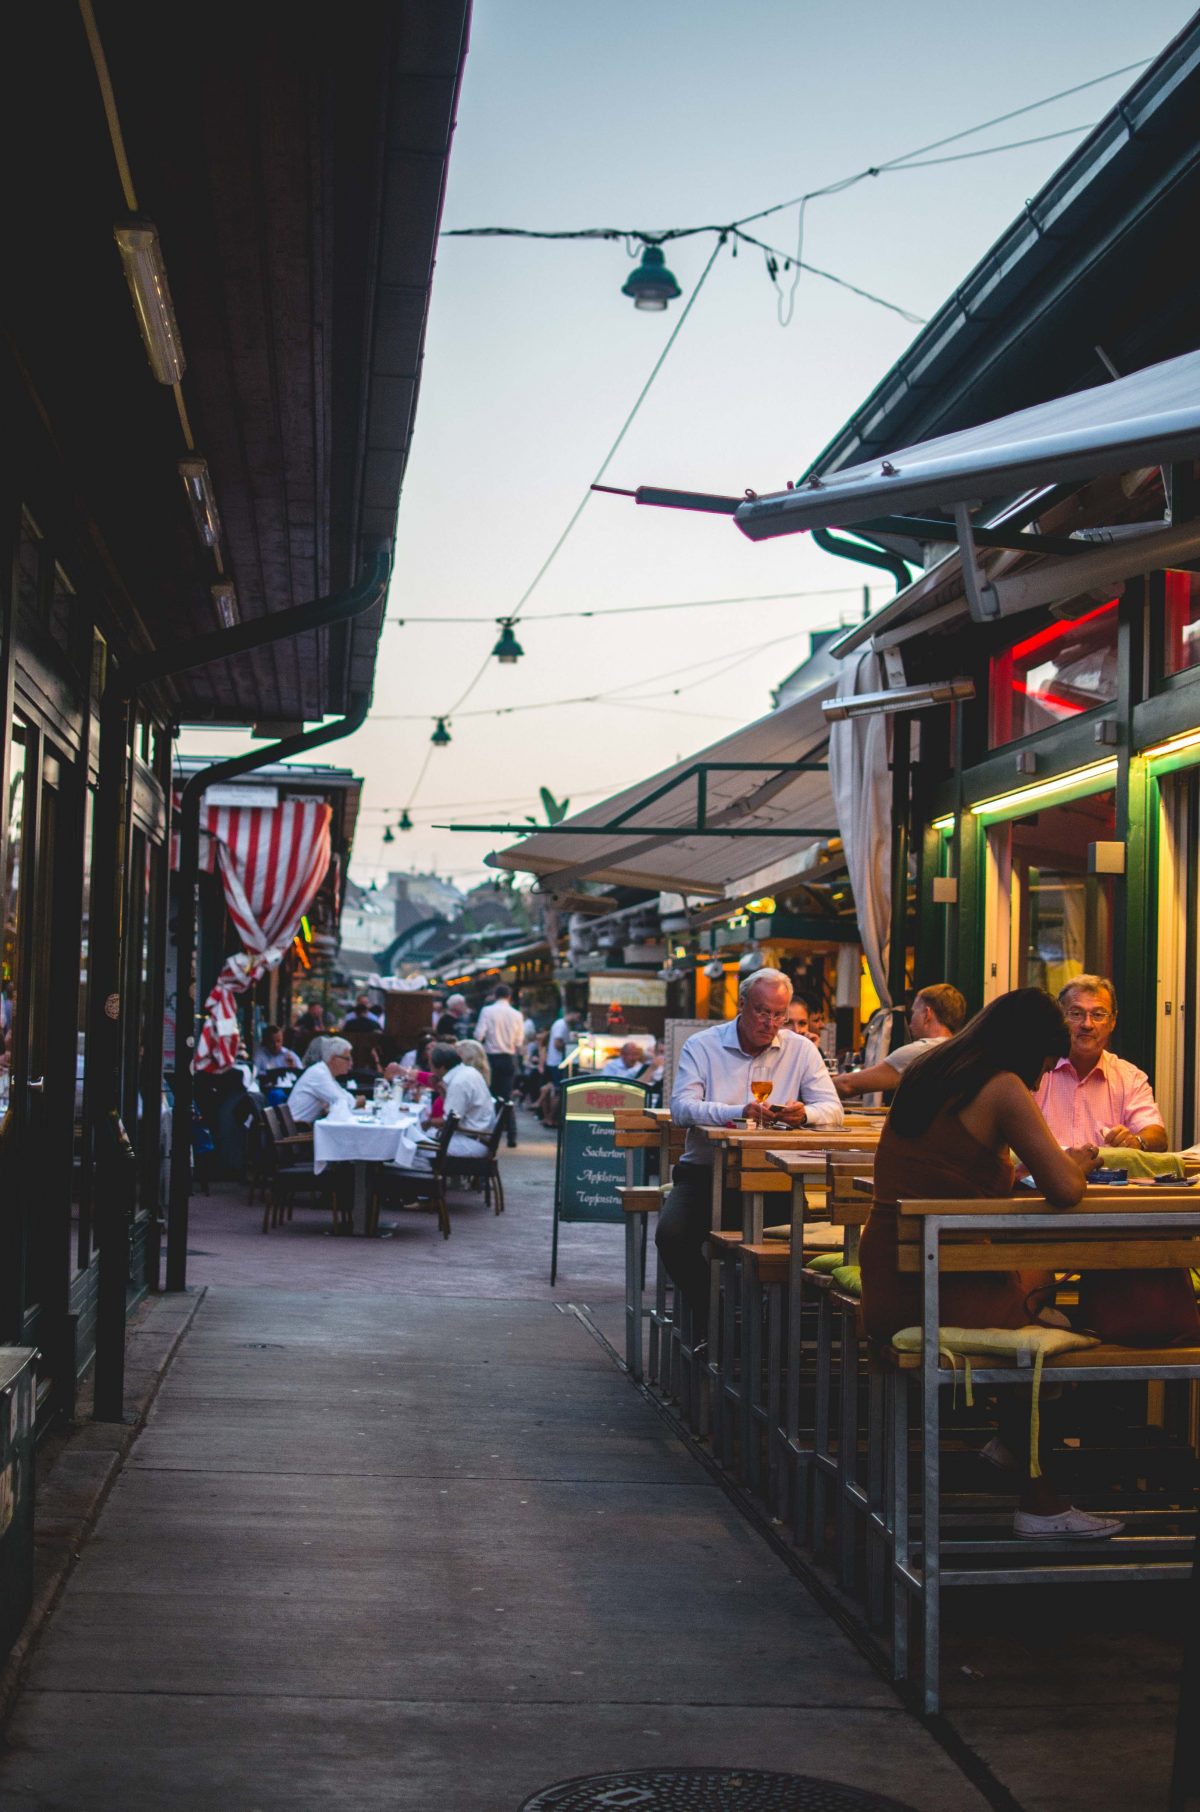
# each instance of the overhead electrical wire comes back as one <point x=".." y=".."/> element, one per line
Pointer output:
<point x="906" y="160"/>
<point x="636" y="610"/>
<point x="734" y="230"/>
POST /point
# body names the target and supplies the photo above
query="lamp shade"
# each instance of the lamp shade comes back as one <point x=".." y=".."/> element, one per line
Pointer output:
<point x="441" y="735"/>
<point x="388" y="836"/>
<point x="651" y="285"/>
<point x="405" y="821"/>
<point x="508" y="650"/>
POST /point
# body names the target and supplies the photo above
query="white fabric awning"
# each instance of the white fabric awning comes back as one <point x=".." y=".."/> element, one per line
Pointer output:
<point x="1151" y="417"/>
<point x="653" y="848"/>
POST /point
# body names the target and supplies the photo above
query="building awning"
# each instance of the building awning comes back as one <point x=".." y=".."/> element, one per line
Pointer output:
<point x="700" y="826"/>
<point x="1150" y="418"/>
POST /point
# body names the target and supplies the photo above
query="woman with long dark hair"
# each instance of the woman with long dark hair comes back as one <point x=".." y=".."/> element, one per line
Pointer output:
<point x="958" y="1113"/>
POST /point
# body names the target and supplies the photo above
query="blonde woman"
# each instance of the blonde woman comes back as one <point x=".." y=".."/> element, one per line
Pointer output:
<point x="470" y="1051"/>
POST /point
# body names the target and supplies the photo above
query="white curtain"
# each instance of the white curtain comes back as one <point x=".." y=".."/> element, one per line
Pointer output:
<point x="859" y="751"/>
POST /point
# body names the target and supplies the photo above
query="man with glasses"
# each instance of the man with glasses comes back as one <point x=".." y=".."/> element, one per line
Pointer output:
<point x="1091" y="1097"/>
<point x="713" y="1088"/>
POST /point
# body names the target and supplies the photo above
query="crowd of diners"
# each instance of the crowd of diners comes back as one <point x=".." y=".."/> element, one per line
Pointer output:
<point x="466" y="1064"/>
<point x="1029" y="1087"/>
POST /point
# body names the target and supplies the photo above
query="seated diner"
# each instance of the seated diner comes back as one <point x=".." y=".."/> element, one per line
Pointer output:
<point x="956" y="1118"/>
<point x="1091" y="1096"/>
<point x="464" y="1092"/>
<point x="719" y="1070"/>
<point x="320" y="1086"/>
<point x="938" y="1012"/>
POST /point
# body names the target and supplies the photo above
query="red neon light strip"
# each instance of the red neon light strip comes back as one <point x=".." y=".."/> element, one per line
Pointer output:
<point x="1055" y="632"/>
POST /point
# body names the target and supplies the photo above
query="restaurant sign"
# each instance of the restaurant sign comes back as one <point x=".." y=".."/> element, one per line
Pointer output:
<point x="626" y="990"/>
<point x="590" y="1169"/>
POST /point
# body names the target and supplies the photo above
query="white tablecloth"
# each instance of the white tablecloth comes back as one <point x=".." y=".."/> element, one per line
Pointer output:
<point x="357" y="1141"/>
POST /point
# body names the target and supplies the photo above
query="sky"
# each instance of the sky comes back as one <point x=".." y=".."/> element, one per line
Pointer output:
<point x="657" y="114"/>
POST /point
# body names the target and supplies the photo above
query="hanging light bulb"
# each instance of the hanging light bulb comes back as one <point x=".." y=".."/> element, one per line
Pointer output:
<point x="441" y="735"/>
<point x="387" y="835"/>
<point x="508" y="650"/>
<point x="405" y="821"/>
<point x="651" y="285"/>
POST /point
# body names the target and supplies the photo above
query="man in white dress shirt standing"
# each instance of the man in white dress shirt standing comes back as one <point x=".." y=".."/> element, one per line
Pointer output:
<point x="500" y="1029"/>
<point x="712" y="1088"/>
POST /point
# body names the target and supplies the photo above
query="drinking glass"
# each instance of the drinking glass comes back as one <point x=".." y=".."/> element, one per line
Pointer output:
<point x="760" y="1087"/>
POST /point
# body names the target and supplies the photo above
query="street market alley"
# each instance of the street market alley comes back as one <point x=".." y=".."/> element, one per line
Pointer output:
<point x="399" y="1533"/>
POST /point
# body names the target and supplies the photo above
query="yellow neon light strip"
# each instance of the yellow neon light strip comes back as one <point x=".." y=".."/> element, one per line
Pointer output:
<point x="943" y="824"/>
<point x="1177" y="744"/>
<point x="1047" y="789"/>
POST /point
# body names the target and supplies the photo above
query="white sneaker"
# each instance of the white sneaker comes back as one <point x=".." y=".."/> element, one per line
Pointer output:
<point x="1069" y="1525"/>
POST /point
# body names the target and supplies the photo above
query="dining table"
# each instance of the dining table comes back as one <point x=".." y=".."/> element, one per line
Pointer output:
<point x="362" y="1140"/>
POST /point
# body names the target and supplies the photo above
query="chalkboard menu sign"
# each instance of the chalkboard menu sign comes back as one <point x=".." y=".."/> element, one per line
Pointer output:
<point x="590" y="1170"/>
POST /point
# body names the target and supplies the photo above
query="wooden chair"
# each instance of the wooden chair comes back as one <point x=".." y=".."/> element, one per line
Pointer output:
<point x="486" y="1167"/>
<point x="291" y="1174"/>
<point x="394" y="1186"/>
<point x="1109" y="1230"/>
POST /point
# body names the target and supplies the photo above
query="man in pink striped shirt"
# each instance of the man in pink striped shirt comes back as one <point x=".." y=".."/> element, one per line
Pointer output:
<point x="1091" y="1097"/>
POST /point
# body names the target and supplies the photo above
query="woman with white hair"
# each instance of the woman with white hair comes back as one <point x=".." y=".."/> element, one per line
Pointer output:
<point x="320" y="1085"/>
<point x="471" y="1051"/>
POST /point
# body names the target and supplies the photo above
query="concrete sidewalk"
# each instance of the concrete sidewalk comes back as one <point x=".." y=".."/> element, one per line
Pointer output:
<point x="381" y="1547"/>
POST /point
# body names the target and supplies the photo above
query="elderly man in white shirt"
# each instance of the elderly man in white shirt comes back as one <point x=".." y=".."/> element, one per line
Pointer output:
<point x="501" y="1031"/>
<point x="713" y="1088"/>
<point x="320" y="1086"/>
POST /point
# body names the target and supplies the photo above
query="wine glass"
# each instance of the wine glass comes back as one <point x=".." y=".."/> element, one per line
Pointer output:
<point x="760" y="1087"/>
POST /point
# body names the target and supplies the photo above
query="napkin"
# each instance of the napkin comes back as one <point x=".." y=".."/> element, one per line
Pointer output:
<point x="342" y="1109"/>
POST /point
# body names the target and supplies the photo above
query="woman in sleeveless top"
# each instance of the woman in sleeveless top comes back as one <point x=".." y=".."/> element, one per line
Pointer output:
<point x="958" y="1112"/>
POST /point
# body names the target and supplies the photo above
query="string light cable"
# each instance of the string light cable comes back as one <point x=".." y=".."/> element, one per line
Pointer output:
<point x="886" y="167"/>
<point x="637" y="610"/>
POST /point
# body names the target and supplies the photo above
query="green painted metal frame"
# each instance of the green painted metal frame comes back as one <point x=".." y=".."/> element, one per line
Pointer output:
<point x="699" y="771"/>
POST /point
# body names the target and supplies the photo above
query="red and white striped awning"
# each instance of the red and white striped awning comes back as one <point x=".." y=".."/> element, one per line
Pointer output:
<point x="271" y="861"/>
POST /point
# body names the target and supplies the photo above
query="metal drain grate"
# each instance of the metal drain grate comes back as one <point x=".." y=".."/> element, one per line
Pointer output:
<point x="705" y="1790"/>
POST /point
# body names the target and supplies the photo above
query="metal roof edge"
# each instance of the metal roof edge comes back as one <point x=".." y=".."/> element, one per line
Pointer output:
<point x="1120" y="135"/>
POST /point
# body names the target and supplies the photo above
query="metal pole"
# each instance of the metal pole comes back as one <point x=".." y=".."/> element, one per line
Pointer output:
<point x="899" y="931"/>
<point x="185" y="937"/>
<point x="110" y="1205"/>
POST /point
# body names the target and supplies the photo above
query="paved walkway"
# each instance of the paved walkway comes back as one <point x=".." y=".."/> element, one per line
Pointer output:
<point x="399" y="1535"/>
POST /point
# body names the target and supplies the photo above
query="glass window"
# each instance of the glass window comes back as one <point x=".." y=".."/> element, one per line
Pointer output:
<point x="1064" y="922"/>
<point x="1183" y="622"/>
<point x="1060" y="671"/>
<point x="10" y="951"/>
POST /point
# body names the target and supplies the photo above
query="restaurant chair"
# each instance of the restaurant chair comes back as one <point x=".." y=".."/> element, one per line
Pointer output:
<point x="291" y="1175"/>
<point x="485" y="1168"/>
<point x="258" y="1149"/>
<point x="394" y="1187"/>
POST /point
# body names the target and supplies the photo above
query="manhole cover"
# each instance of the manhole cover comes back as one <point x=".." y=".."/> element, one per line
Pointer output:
<point x="705" y="1790"/>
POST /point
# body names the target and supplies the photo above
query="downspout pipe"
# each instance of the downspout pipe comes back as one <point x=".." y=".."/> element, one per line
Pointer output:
<point x="187" y="1011"/>
<point x="104" y="1028"/>
<point x="846" y="549"/>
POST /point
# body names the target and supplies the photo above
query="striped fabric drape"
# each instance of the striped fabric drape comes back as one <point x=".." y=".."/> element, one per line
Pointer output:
<point x="271" y="863"/>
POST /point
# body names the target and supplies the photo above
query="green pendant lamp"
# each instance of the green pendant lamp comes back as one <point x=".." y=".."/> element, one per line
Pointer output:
<point x="651" y="285"/>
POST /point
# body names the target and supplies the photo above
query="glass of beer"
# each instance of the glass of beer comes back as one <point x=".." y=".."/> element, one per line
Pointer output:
<point x="760" y="1088"/>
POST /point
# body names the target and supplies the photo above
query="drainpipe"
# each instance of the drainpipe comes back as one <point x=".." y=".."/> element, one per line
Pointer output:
<point x="846" y="549"/>
<point x="187" y="1012"/>
<point x="110" y="1158"/>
